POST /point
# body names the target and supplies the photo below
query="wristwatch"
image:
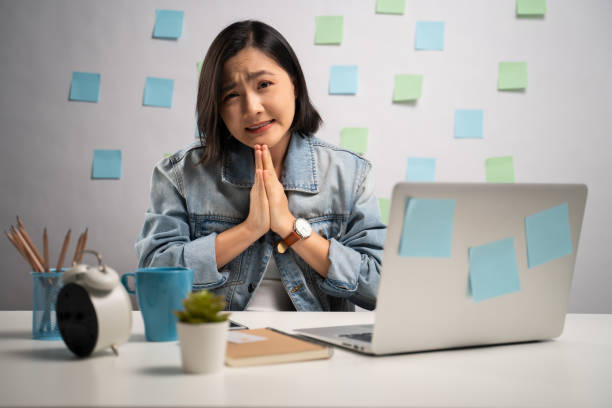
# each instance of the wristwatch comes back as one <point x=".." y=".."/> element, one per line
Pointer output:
<point x="301" y="230"/>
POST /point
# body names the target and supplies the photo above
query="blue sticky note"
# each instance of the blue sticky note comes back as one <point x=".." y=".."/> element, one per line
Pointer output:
<point x="429" y="35"/>
<point x="421" y="169"/>
<point x="85" y="87"/>
<point x="343" y="80"/>
<point x="468" y="124"/>
<point x="107" y="164"/>
<point x="158" y="92"/>
<point x="428" y="228"/>
<point x="548" y="235"/>
<point x="493" y="269"/>
<point x="168" y="24"/>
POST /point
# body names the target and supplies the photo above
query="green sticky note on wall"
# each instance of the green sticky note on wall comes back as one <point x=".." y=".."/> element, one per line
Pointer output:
<point x="355" y="139"/>
<point x="329" y="29"/>
<point x="500" y="169"/>
<point x="530" y="8"/>
<point x="199" y="65"/>
<point x="384" y="204"/>
<point x="390" y="6"/>
<point x="512" y="76"/>
<point x="407" y="87"/>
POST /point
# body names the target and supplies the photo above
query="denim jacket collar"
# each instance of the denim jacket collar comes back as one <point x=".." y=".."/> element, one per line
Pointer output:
<point x="299" y="170"/>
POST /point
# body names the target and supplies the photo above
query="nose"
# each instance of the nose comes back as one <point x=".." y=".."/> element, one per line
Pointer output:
<point x="252" y="103"/>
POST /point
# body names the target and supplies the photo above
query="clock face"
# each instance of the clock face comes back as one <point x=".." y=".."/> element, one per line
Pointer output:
<point x="77" y="319"/>
<point x="303" y="228"/>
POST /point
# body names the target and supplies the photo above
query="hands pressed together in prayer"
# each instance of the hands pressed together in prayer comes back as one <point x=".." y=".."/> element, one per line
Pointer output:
<point x="269" y="208"/>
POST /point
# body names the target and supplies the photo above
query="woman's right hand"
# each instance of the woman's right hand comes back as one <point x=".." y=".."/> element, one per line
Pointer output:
<point x="258" y="220"/>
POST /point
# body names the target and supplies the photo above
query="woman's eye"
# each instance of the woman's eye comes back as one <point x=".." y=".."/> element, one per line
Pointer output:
<point x="265" y="84"/>
<point x="230" y="96"/>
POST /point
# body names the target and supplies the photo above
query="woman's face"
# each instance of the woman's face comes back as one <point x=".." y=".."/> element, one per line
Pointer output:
<point x="257" y="99"/>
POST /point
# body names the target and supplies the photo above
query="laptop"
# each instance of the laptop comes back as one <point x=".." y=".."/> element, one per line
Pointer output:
<point x="452" y="282"/>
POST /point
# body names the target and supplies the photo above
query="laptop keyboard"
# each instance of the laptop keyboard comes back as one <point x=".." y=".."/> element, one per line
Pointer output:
<point x="367" y="337"/>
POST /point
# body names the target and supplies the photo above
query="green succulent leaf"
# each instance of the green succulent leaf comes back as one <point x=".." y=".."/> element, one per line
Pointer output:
<point x="202" y="307"/>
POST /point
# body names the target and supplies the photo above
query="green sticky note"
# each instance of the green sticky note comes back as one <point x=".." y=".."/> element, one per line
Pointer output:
<point x="199" y="65"/>
<point x="407" y="87"/>
<point x="512" y="76"/>
<point x="390" y="6"/>
<point x="355" y="139"/>
<point x="530" y="8"/>
<point x="329" y="29"/>
<point x="384" y="204"/>
<point x="500" y="169"/>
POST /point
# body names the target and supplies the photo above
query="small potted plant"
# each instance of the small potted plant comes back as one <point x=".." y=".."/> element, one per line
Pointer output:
<point x="202" y="331"/>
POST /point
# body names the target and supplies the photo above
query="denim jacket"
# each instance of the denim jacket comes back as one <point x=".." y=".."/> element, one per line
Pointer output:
<point x="329" y="186"/>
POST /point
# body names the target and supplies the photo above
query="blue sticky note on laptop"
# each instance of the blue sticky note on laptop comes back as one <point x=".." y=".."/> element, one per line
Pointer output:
<point x="343" y="80"/>
<point x="468" y="124"/>
<point x="85" y="86"/>
<point x="548" y="235"/>
<point x="168" y="24"/>
<point x="429" y="35"/>
<point x="428" y="228"/>
<point x="493" y="269"/>
<point x="420" y="169"/>
<point x="158" y="92"/>
<point x="106" y="164"/>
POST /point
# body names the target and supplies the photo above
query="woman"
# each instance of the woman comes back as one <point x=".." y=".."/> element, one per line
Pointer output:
<point x="264" y="213"/>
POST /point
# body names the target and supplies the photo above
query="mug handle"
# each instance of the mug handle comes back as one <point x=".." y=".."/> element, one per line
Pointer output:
<point x="124" y="282"/>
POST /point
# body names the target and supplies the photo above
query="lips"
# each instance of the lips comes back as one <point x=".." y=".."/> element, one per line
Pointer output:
<point x="260" y="127"/>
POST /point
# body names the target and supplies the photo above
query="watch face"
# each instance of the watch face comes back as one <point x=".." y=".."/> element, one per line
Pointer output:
<point x="303" y="228"/>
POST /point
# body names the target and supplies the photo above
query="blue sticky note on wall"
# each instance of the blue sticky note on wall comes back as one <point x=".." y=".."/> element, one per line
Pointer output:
<point x="548" y="235"/>
<point x="343" y="80"/>
<point x="158" y="92"/>
<point x="420" y="169"/>
<point x="85" y="87"/>
<point x="428" y="228"/>
<point x="429" y="35"/>
<point x="168" y="24"/>
<point x="493" y="269"/>
<point x="106" y="164"/>
<point x="468" y="123"/>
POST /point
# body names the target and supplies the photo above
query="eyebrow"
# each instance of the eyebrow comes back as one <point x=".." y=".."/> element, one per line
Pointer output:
<point x="250" y="76"/>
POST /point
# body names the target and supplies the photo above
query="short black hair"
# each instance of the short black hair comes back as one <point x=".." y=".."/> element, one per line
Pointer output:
<point x="229" y="42"/>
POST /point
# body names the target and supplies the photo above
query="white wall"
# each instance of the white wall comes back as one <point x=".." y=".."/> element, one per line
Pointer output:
<point x="557" y="131"/>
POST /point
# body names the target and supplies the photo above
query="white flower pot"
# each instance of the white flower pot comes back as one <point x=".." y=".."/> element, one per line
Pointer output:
<point x="202" y="346"/>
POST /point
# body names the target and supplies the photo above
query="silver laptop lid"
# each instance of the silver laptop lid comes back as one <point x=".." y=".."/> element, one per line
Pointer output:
<point x="426" y="300"/>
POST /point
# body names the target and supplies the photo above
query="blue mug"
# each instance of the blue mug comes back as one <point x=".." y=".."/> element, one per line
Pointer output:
<point x="160" y="291"/>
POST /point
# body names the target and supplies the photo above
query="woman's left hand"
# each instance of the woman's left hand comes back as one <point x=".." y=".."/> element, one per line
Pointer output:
<point x="281" y="219"/>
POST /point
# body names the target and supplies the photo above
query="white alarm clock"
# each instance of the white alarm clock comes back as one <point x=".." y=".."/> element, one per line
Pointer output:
<point x="93" y="309"/>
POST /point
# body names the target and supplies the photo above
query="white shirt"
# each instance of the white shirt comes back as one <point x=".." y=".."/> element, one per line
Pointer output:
<point x="270" y="295"/>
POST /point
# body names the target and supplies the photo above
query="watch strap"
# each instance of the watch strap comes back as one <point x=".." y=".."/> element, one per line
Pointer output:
<point x="286" y="242"/>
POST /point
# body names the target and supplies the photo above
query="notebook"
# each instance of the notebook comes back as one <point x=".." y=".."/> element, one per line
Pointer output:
<point x="266" y="346"/>
<point x="471" y="264"/>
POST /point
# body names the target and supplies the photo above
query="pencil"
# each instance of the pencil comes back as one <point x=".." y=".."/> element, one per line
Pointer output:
<point x="77" y="249"/>
<point x="46" y="249"/>
<point x="60" y="260"/>
<point x="83" y="245"/>
<point x="18" y="247"/>
<point x="35" y="263"/>
<point x="26" y="237"/>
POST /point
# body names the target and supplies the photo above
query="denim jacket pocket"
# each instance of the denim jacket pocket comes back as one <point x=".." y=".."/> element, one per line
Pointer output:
<point x="203" y="225"/>
<point x="328" y="226"/>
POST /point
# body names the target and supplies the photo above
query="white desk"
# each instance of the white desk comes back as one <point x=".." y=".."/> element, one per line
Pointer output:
<point x="574" y="370"/>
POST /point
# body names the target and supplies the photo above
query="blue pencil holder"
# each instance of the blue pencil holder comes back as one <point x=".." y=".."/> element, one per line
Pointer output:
<point x="44" y="319"/>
